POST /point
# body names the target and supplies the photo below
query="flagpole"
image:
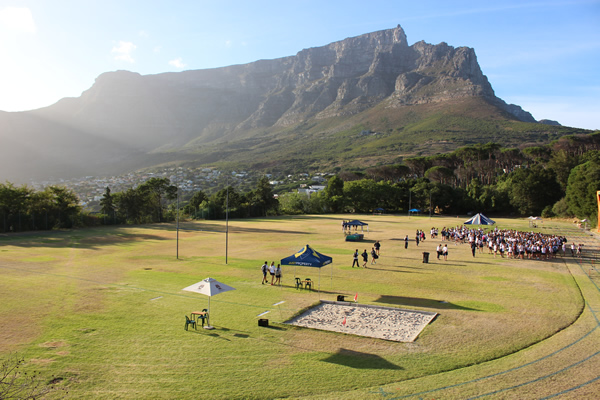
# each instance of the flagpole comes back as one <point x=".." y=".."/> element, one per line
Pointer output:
<point x="227" y="224"/>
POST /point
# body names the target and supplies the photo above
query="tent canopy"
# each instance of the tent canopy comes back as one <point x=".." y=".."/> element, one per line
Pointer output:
<point x="414" y="210"/>
<point x="479" y="219"/>
<point x="356" y="223"/>
<point x="307" y="257"/>
<point x="209" y="287"/>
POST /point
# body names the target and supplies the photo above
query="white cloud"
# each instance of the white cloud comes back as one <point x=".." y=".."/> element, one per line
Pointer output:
<point x="177" y="63"/>
<point x="123" y="51"/>
<point x="17" y="20"/>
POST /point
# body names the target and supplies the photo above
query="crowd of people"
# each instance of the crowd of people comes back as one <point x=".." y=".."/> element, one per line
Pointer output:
<point x="511" y="243"/>
<point x="505" y="243"/>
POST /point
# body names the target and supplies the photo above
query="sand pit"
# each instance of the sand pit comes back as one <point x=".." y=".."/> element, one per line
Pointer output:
<point x="365" y="320"/>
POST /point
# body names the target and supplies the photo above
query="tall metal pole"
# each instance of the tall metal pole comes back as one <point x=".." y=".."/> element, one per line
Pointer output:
<point x="227" y="222"/>
<point x="177" y="215"/>
<point x="409" y="199"/>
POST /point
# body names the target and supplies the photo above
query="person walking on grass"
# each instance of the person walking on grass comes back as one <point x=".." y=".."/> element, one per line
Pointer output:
<point x="374" y="256"/>
<point x="272" y="272"/>
<point x="355" y="259"/>
<point x="445" y="252"/>
<point x="264" y="269"/>
<point x="365" y="257"/>
<point x="406" y="242"/>
<point x="278" y="275"/>
<point x="377" y="246"/>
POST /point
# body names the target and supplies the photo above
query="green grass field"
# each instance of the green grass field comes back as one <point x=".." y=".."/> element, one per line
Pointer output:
<point x="101" y="312"/>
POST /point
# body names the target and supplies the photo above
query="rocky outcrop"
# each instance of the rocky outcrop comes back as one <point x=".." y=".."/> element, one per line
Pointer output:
<point x="126" y="116"/>
<point x="341" y="78"/>
<point x="549" y="122"/>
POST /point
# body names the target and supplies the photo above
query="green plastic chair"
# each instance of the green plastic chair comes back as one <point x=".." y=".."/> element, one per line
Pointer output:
<point x="298" y="283"/>
<point x="308" y="284"/>
<point x="189" y="322"/>
<point x="204" y="317"/>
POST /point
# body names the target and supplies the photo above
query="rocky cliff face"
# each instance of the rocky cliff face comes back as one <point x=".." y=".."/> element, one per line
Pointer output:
<point x="125" y="115"/>
<point x="342" y="78"/>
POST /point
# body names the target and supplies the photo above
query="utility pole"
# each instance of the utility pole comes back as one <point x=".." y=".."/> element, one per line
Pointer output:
<point x="227" y="222"/>
<point x="177" y="255"/>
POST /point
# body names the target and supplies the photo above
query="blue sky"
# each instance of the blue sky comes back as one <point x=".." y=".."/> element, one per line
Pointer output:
<point x="541" y="55"/>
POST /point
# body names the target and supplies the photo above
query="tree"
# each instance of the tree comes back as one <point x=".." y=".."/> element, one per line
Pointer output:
<point x="130" y="206"/>
<point x="293" y="203"/>
<point x="13" y="202"/>
<point x="263" y="197"/>
<point x="361" y="195"/>
<point x="195" y="201"/>
<point x="532" y="189"/>
<point x="440" y="174"/>
<point x="15" y="385"/>
<point x="584" y="181"/>
<point x="106" y="203"/>
<point x="64" y="206"/>
<point x="333" y="194"/>
<point x="561" y="162"/>
<point x="153" y="191"/>
<point x="226" y="198"/>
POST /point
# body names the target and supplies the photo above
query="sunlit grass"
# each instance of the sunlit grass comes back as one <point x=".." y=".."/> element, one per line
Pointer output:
<point x="104" y="309"/>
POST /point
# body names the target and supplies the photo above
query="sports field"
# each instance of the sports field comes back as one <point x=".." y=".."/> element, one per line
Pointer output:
<point x="101" y="313"/>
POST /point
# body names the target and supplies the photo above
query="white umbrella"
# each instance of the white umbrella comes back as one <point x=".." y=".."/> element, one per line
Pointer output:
<point x="209" y="287"/>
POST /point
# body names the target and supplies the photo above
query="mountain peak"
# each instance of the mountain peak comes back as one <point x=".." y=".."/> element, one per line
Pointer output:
<point x="183" y="111"/>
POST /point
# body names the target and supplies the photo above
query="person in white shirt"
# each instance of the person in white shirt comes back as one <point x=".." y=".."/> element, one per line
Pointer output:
<point x="272" y="272"/>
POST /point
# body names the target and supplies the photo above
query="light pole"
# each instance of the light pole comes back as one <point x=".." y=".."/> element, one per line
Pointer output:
<point x="227" y="222"/>
<point x="177" y="254"/>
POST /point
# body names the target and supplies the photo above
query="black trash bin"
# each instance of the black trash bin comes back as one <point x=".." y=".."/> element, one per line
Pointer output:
<point x="263" y="322"/>
<point x="341" y="298"/>
<point x="425" y="257"/>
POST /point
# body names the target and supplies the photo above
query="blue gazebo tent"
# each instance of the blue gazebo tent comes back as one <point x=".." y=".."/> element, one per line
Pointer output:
<point x="479" y="219"/>
<point x="308" y="257"/>
<point x="413" y="210"/>
<point x="356" y="223"/>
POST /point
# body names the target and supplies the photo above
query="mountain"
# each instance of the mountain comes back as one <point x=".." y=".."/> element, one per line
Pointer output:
<point x="360" y="101"/>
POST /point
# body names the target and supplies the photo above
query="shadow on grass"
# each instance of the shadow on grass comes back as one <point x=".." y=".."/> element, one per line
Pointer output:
<point x="358" y="360"/>
<point x="423" y="303"/>
<point x="90" y="239"/>
<point x="403" y="270"/>
<point x="220" y="228"/>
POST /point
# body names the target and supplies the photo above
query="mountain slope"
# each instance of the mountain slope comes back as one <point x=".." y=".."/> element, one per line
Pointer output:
<point x="318" y="100"/>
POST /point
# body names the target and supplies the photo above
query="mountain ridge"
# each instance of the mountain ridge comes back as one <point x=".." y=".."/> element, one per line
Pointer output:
<point x="127" y="120"/>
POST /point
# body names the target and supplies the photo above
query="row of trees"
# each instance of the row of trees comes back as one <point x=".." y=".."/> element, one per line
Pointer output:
<point x="22" y="208"/>
<point x="154" y="201"/>
<point x="558" y="179"/>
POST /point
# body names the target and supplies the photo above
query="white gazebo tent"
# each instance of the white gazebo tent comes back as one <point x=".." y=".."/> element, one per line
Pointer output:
<point x="209" y="287"/>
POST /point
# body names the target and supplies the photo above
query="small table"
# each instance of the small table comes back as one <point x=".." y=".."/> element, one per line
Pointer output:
<point x="307" y="284"/>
